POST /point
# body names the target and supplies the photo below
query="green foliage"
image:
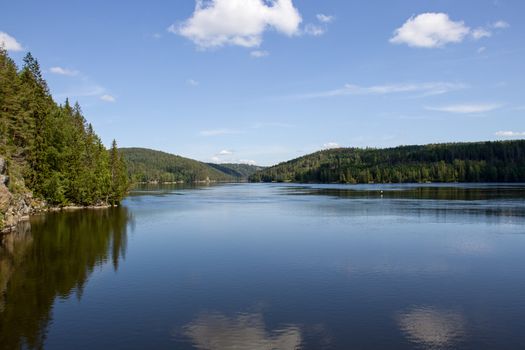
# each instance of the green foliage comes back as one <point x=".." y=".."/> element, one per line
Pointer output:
<point x="145" y="165"/>
<point x="452" y="162"/>
<point x="52" y="150"/>
<point x="238" y="171"/>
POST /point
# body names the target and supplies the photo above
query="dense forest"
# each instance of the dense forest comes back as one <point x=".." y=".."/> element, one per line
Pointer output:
<point x="50" y="149"/>
<point x="146" y="165"/>
<point x="451" y="162"/>
<point x="238" y="171"/>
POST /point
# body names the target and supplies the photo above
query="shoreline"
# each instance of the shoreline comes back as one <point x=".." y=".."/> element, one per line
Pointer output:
<point x="37" y="210"/>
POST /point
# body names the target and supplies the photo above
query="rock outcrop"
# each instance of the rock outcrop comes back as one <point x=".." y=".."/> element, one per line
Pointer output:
<point x="13" y="207"/>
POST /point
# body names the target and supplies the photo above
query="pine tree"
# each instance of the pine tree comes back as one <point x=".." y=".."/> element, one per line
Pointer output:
<point x="51" y="149"/>
<point x="118" y="173"/>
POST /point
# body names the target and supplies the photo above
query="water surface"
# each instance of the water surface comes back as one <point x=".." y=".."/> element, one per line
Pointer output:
<point x="273" y="266"/>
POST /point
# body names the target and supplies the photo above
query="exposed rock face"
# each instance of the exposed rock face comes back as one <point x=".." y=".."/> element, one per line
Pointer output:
<point x="13" y="208"/>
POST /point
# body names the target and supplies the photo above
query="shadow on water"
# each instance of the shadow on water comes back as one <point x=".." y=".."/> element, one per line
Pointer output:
<point x="417" y="191"/>
<point x="491" y="202"/>
<point x="36" y="267"/>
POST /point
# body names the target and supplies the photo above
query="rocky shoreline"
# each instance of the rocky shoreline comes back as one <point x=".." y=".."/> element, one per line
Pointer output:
<point x="16" y="208"/>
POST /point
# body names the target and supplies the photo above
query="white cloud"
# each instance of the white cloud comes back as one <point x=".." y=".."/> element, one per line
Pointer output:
<point x="482" y="49"/>
<point x="324" y="18"/>
<point x="218" y="132"/>
<point x="248" y="161"/>
<point x="510" y="133"/>
<point x="192" y="82"/>
<point x="259" y="53"/>
<point x="227" y="156"/>
<point x="63" y="71"/>
<point x="500" y="25"/>
<point x="9" y="43"/>
<point x="428" y="88"/>
<point x="466" y="108"/>
<point x="314" y="30"/>
<point x="480" y="33"/>
<point x="430" y="30"/>
<point x="216" y="23"/>
<point x="108" y="98"/>
<point x="330" y="145"/>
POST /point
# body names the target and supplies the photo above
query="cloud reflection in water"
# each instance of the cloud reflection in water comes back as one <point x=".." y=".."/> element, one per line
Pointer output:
<point x="213" y="331"/>
<point x="431" y="327"/>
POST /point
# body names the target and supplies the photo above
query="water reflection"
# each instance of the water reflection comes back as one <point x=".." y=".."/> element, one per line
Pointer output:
<point x="468" y="192"/>
<point x="495" y="203"/>
<point x="433" y="328"/>
<point x="213" y="331"/>
<point x="53" y="257"/>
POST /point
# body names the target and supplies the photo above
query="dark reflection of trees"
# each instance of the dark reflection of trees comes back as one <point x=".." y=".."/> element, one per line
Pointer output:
<point x="52" y="258"/>
<point x="423" y="192"/>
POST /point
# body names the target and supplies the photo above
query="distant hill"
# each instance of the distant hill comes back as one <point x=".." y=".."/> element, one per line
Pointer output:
<point x="241" y="171"/>
<point x="146" y="165"/>
<point x="450" y="162"/>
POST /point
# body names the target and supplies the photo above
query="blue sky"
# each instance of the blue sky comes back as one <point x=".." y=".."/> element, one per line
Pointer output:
<point x="267" y="81"/>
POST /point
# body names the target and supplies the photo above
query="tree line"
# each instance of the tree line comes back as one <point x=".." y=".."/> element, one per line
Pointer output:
<point x="502" y="161"/>
<point x="51" y="149"/>
<point x="147" y="165"/>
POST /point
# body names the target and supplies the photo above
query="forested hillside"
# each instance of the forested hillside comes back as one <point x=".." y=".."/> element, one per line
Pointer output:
<point x="50" y="149"/>
<point x="452" y="162"/>
<point x="239" y="171"/>
<point x="146" y="165"/>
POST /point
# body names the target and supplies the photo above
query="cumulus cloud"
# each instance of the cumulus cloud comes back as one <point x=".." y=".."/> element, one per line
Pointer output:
<point x="259" y="53"/>
<point x="430" y="30"/>
<point x="510" y="133"/>
<point x="9" y="43"/>
<point x="324" y="18"/>
<point x="216" y="23"/>
<point x="427" y="88"/>
<point x="248" y="161"/>
<point x="330" y="145"/>
<point x="108" y="98"/>
<point x="466" y="108"/>
<point x="63" y="71"/>
<point x="228" y="156"/>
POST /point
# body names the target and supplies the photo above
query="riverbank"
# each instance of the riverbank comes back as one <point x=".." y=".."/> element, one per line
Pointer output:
<point x="18" y="206"/>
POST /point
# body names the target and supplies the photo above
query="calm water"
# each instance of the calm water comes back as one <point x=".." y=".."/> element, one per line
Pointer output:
<point x="273" y="266"/>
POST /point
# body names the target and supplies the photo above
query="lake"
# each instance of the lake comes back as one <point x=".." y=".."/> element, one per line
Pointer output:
<point x="272" y="266"/>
